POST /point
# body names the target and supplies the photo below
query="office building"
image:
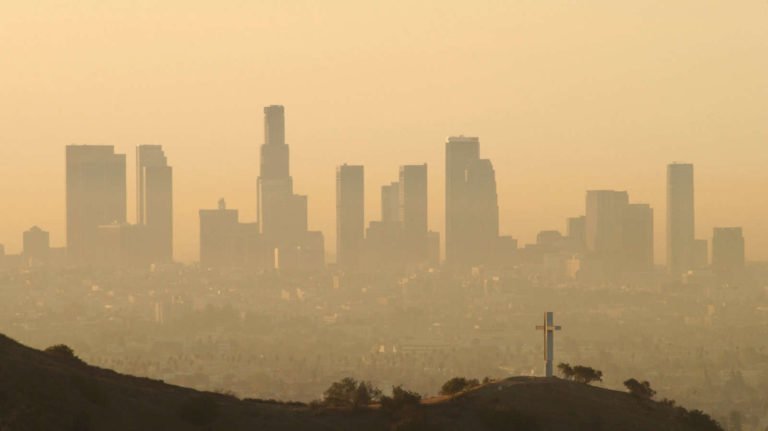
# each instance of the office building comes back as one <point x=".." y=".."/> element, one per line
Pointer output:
<point x="219" y="237"/>
<point x="154" y="202"/>
<point x="604" y="221"/>
<point x="36" y="246"/>
<point x="413" y="212"/>
<point x="727" y="249"/>
<point x="638" y="238"/>
<point x="576" y="233"/>
<point x="459" y="152"/>
<point x="471" y="204"/>
<point x="282" y="214"/>
<point x="390" y="202"/>
<point x="96" y="195"/>
<point x="680" y="218"/>
<point x="350" y="216"/>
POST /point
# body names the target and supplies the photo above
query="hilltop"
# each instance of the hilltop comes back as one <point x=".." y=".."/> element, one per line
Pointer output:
<point x="45" y="391"/>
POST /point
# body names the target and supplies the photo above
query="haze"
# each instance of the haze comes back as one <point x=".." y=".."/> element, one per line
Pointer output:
<point x="565" y="96"/>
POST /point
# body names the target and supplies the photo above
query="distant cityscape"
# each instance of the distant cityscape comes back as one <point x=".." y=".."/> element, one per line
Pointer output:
<point x="612" y="240"/>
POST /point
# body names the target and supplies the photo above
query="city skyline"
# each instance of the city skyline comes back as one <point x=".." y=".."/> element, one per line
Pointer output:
<point x="155" y="158"/>
<point x="625" y="108"/>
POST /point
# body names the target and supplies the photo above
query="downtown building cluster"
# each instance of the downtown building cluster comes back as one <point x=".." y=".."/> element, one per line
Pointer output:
<point x="613" y="239"/>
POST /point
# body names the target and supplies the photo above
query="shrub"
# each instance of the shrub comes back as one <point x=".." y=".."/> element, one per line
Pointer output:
<point x="349" y="393"/>
<point x="587" y="375"/>
<point x="640" y="389"/>
<point x="401" y="398"/>
<point x="565" y="370"/>
<point x="199" y="409"/>
<point x="61" y="351"/>
<point x="457" y="384"/>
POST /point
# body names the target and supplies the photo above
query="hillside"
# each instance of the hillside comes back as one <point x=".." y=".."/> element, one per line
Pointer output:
<point x="42" y="391"/>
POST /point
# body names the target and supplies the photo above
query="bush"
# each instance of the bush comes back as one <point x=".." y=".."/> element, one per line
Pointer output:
<point x="457" y="384"/>
<point x="349" y="393"/>
<point x="565" y="370"/>
<point x="640" y="389"/>
<point x="61" y="351"/>
<point x="200" y="409"/>
<point x="586" y="375"/>
<point x="400" y="399"/>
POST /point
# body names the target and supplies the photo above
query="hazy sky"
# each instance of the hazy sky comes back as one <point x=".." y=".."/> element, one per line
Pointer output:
<point x="564" y="95"/>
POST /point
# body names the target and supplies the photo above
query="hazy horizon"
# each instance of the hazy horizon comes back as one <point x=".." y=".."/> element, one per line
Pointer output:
<point x="564" y="97"/>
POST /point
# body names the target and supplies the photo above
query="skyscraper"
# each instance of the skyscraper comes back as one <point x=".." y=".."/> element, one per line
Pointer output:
<point x="37" y="245"/>
<point x="680" y="218"/>
<point x="390" y="202"/>
<point x="481" y="212"/>
<point x="95" y="196"/>
<point x="727" y="249"/>
<point x="472" y="211"/>
<point x="154" y="202"/>
<point x="412" y="197"/>
<point x="638" y="238"/>
<point x="219" y="236"/>
<point x="276" y="203"/>
<point x="413" y="212"/>
<point x="283" y="214"/>
<point x="604" y="226"/>
<point x="350" y="219"/>
<point x="576" y="232"/>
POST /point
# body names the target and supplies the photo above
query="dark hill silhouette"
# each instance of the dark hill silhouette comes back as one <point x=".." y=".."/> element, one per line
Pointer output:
<point x="54" y="391"/>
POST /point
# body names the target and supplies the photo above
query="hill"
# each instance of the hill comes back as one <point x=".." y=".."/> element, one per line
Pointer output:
<point x="48" y="391"/>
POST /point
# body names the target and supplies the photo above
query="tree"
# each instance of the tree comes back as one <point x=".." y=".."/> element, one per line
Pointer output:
<point x="349" y="393"/>
<point x="565" y="370"/>
<point x="400" y="399"/>
<point x="457" y="384"/>
<point x="587" y="375"/>
<point x="640" y="389"/>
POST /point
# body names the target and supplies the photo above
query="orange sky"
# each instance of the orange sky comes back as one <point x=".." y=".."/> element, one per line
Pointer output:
<point x="564" y="95"/>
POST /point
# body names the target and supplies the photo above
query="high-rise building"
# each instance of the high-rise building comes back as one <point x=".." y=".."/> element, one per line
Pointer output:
<point x="459" y="152"/>
<point x="638" y="238"/>
<point x="412" y="198"/>
<point x="350" y="218"/>
<point x="274" y="152"/>
<point x="471" y="204"/>
<point x="276" y="203"/>
<point x="96" y="195"/>
<point x="154" y="202"/>
<point x="37" y="245"/>
<point x="219" y="236"/>
<point x="604" y="227"/>
<point x="576" y="233"/>
<point x="727" y="249"/>
<point x="680" y="218"/>
<point x="390" y="202"/>
<point x="282" y="214"/>
<point x="482" y="212"/>
<point x="413" y="212"/>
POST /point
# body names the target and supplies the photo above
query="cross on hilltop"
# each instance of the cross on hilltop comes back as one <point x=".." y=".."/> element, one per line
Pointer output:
<point x="549" y="339"/>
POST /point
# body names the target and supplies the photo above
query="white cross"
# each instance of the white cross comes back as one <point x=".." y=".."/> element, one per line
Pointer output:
<point x="549" y="339"/>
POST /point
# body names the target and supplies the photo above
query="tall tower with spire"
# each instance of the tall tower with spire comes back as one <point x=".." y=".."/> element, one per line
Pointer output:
<point x="282" y="214"/>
